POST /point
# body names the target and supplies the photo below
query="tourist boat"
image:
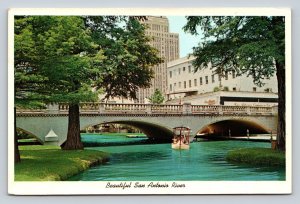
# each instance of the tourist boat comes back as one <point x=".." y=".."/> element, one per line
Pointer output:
<point x="181" y="139"/>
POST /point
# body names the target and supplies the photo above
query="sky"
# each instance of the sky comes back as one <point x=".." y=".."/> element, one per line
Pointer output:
<point x="186" y="41"/>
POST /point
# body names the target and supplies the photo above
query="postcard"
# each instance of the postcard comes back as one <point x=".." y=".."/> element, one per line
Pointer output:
<point x="120" y="101"/>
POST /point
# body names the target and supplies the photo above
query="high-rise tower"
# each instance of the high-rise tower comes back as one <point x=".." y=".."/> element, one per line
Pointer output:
<point x="168" y="46"/>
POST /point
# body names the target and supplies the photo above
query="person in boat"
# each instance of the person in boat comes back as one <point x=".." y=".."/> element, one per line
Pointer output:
<point x="185" y="141"/>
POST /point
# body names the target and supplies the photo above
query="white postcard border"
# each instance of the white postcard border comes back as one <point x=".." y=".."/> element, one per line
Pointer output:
<point x="191" y="187"/>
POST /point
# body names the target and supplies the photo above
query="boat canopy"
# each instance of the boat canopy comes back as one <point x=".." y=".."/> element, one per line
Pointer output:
<point x="181" y="130"/>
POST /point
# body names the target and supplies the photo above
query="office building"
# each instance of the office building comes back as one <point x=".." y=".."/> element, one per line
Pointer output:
<point x="208" y="88"/>
<point x="168" y="46"/>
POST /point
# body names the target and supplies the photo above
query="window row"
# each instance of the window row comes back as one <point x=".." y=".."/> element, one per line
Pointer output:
<point x="157" y="27"/>
<point x="254" y="89"/>
<point x="191" y="70"/>
<point x="187" y="83"/>
<point x="202" y="80"/>
<point x="178" y="72"/>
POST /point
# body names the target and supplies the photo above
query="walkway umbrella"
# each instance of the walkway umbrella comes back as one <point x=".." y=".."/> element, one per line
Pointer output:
<point x="51" y="136"/>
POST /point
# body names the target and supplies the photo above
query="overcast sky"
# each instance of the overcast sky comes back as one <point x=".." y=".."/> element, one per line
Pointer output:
<point x="186" y="41"/>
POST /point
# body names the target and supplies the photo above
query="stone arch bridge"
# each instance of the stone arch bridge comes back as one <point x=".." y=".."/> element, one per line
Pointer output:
<point x="156" y="121"/>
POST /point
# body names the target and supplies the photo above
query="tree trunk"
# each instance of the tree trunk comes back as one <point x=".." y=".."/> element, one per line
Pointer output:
<point x="73" y="137"/>
<point x="17" y="152"/>
<point x="280" y="145"/>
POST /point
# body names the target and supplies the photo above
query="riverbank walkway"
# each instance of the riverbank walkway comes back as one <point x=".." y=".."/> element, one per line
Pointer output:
<point x="253" y="138"/>
<point x="258" y="138"/>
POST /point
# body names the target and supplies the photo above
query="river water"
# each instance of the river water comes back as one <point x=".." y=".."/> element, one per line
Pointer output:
<point x="205" y="161"/>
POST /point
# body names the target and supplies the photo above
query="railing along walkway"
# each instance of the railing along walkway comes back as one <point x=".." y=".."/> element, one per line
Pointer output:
<point x="184" y="109"/>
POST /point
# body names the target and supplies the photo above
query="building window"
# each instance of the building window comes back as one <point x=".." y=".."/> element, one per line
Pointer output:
<point x="184" y="84"/>
<point x="200" y="81"/>
<point x="190" y="69"/>
<point x="233" y="74"/>
<point x="195" y="82"/>
<point x="183" y="69"/>
<point x="190" y="83"/>
<point x="174" y="86"/>
<point x="170" y="74"/>
<point x="170" y="87"/>
<point x="179" y="84"/>
<point x="254" y="89"/>
<point x="213" y="78"/>
<point x="226" y="75"/>
<point x="206" y="79"/>
<point x="179" y="70"/>
<point x="233" y="89"/>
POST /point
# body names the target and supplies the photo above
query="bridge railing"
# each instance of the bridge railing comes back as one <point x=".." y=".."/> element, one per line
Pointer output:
<point x="205" y="109"/>
<point x="166" y="108"/>
<point x="27" y="111"/>
<point x="184" y="109"/>
<point x="123" y="108"/>
<point x="235" y="110"/>
<point x="261" y="110"/>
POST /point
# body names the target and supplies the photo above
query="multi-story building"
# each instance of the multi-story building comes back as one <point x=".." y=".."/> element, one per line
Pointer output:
<point x="206" y="87"/>
<point x="168" y="46"/>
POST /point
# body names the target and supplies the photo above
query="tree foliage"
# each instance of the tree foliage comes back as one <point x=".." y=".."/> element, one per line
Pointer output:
<point x="251" y="45"/>
<point x="69" y="58"/>
<point x="128" y="56"/>
<point x="248" y="45"/>
<point x="61" y="57"/>
<point x="55" y="60"/>
<point x="157" y="97"/>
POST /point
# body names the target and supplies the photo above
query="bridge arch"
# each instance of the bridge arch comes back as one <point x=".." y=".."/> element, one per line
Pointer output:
<point x="233" y="127"/>
<point x="29" y="133"/>
<point x="152" y="130"/>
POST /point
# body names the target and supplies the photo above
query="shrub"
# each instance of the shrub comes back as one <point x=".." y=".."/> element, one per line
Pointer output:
<point x="257" y="157"/>
<point x="225" y="88"/>
<point x="216" y="89"/>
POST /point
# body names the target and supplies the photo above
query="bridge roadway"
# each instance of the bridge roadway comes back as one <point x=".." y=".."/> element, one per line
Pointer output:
<point x="156" y="121"/>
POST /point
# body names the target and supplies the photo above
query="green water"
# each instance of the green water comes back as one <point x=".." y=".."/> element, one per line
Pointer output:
<point x="205" y="161"/>
<point x="96" y="140"/>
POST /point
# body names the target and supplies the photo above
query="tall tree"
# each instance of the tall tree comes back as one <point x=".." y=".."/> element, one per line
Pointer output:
<point x="157" y="97"/>
<point x="71" y="56"/>
<point x="128" y="55"/>
<point x="251" y="45"/>
<point x="55" y="61"/>
<point x="27" y="81"/>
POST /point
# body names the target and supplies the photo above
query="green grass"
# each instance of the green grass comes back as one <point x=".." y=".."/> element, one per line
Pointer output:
<point x="50" y="163"/>
<point x="114" y="134"/>
<point x="27" y="140"/>
<point x="257" y="157"/>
